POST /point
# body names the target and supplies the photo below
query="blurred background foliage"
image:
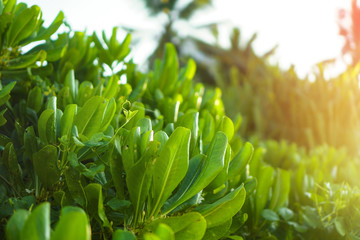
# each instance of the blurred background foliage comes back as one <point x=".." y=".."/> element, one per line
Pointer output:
<point x="273" y="103"/>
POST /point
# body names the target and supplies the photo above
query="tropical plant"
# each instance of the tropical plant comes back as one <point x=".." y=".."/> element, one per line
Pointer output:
<point x="140" y="157"/>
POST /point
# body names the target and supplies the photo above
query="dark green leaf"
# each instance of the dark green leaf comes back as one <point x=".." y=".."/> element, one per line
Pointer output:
<point x="95" y="205"/>
<point x="45" y="165"/>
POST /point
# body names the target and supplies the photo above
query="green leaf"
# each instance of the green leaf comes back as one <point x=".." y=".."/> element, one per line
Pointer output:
<point x="169" y="70"/>
<point x="227" y="126"/>
<point x="23" y="25"/>
<point x="108" y="114"/>
<point x="130" y="147"/>
<point x="95" y="205"/>
<point x="190" y="121"/>
<point x="24" y="61"/>
<point x="286" y="213"/>
<point x="85" y="92"/>
<point x="340" y="226"/>
<point x="123" y="50"/>
<point x="202" y="171"/>
<point x="188" y="226"/>
<point x="207" y="124"/>
<point x="123" y="235"/>
<point x="217" y="232"/>
<point x="264" y="182"/>
<point x="67" y="119"/>
<point x="30" y="142"/>
<point x="311" y="217"/>
<point x="73" y="225"/>
<point x="112" y="87"/>
<point x="73" y="183"/>
<point x="117" y="204"/>
<point x="150" y="236"/>
<point x="138" y="178"/>
<point x="11" y="163"/>
<point x="235" y="237"/>
<point x="37" y="225"/>
<point x="9" y="6"/>
<point x="170" y="167"/>
<point x="280" y="190"/>
<point x="144" y="124"/>
<point x="164" y="232"/>
<point x="145" y="139"/>
<point x="139" y="90"/>
<point x="45" y="33"/>
<point x="70" y="83"/>
<point x="16" y="224"/>
<point x="5" y="93"/>
<point x="117" y="169"/>
<point x="35" y="99"/>
<point x="185" y="191"/>
<point x="223" y="209"/>
<point x="2" y="118"/>
<point x="238" y="163"/>
<point x="161" y="137"/>
<point x="45" y="165"/>
<point x="186" y="75"/>
<point x="46" y="126"/>
<point x="90" y="116"/>
<point x="270" y="215"/>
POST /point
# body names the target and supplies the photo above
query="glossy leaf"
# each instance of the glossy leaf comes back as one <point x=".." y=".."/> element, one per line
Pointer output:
<point x="227" y="126"/>
<point x="223" y="209"/>
<point x="73" y="225"/>
<point x="37" y="225"/>
<point x="45" y="33"/>
<point x="170" y="167"/>
<point x="89" y="117"/>
<point x="217" y="232"/>
<point x="202" y="171"/>
<point x="23" y="25"/>
<point x="67" y="119"/>
<point x="139" y="176"/>
<point x="188" y="226"/>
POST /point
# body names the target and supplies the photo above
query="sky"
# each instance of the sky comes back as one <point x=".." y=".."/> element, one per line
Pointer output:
<point x="305" y="31"/>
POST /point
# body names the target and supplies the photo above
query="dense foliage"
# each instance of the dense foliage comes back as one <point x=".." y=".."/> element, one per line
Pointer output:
<point x="277" y="104"/>
<point x="92" y="154"/>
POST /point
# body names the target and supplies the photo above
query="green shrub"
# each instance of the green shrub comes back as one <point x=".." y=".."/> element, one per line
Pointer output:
<point x="91" y="153"/>
<point x="148" y="157"/>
